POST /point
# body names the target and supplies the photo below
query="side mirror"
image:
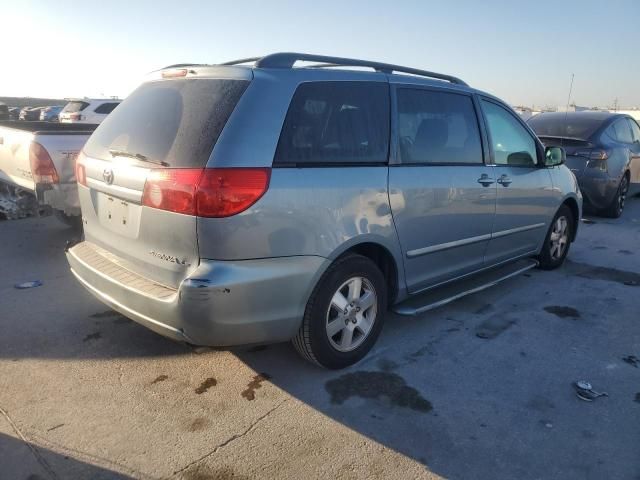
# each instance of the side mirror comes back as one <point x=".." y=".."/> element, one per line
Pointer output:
<point x="554" y="156"/>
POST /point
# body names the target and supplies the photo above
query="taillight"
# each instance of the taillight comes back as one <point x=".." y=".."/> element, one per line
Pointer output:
<point x="75" y="116"/>
<point x="596" y="154"/>
<point x="212" y="192"/>
<point x="42" y="167"/>
<point x="81" y="171"/>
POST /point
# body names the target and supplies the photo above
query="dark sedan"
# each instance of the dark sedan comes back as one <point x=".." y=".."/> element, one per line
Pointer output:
<point x="603" y="152"/>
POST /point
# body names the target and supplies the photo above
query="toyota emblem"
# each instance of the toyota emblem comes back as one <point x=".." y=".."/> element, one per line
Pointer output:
<point x="107" y="175"/>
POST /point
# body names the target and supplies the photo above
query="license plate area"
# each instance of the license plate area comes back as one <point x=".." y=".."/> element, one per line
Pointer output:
<point x="118" y="215"/>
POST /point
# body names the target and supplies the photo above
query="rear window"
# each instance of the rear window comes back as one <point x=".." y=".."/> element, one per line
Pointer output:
<point x="558" y="126"/>
<point x="106" y="108"/>
<point x="336" y="123"/>
<point x="174" y="121"/>
<point x="73" y="107"/>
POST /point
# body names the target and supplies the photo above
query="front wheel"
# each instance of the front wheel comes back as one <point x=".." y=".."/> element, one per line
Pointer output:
<point x="558" y="240"/>
<point x="344" y="314"/>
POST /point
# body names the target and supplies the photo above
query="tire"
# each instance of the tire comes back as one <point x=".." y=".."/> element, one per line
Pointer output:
<point x="550" y="258"/>
<point x="614" y="210"/>
<point x="356" y="326"/>
<point x="73" y="221"/>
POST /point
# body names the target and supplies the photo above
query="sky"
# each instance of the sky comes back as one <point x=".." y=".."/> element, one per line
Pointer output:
<point x="521" y="51"/>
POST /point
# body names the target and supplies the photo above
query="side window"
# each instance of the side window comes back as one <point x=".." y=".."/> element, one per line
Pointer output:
<point x="635" y="130"/>
<point x="106" y="108"/>
<point x="437" y="127"/>
<point x="620" y="131"/>
<point x="336" y="122"/>
<point x="512" y="144"/>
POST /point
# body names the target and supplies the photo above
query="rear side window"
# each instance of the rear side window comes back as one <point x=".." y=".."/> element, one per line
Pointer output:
<point x="336" y="123"/>
<point x="512" y="144"/>
<point x="106" y="108"/>
<point x="437" y="127"/>
<point x="620" y="131"/>
<point x="173" y="121"/>
<point x="73" y="107"/>
<point x="635" y="130"/>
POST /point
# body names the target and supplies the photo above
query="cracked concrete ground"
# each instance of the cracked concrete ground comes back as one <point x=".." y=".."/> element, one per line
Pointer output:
<point x="478" y="389"/>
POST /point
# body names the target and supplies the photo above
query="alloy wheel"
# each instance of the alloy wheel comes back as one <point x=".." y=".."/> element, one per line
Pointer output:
<point x="351" y="314"/>
<point x="559" y="238"/>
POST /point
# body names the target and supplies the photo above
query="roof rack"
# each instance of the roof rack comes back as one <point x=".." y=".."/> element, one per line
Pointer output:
<point x="242" y="60"/>
<point x="287" y="60"/>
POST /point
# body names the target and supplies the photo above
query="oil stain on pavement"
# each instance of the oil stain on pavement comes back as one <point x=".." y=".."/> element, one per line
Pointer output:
<point x="92" y="336"/>
<point x="256" y="383"/>
<point x="631" y="360"/>
<point x="493" y="326"/>
<point x="562" y="311"/>
<point x="159" y="378"/>
<point x="206" y="385"/>
<point x="593" y="272"/>
<point x="373" y="385"/>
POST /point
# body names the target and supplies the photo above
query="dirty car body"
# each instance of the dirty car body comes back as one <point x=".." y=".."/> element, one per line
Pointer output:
<point x="223" y="225"/>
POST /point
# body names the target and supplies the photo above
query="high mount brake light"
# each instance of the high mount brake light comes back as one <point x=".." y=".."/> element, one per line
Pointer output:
<point x="209" y="192"/>
<point x="42" y="167"/>
<point x="175" y="73"/>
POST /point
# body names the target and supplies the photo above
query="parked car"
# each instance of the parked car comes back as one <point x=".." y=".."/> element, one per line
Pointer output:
<point x="37" y="168"/>
<point x="50" y="114"/>
<point x="87" y="110"/>
<point x="4" y="112"/>
<point x="14" y="113"/>
<point x="232" y="204"/>
<point x="603" y="152"/>
<point x="30" y="113"/>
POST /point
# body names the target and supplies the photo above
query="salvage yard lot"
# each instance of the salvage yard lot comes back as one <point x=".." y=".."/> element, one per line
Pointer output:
<point x="481" y="388"/>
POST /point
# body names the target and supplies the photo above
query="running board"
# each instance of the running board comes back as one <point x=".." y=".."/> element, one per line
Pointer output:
<point x="438" y="296"/>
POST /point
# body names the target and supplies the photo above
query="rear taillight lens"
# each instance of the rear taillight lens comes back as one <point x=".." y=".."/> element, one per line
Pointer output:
<point x="212" y="192"/>
<point x="596" y="158"/>
<point x="75" y="116"/>
<point x="595" y="154"/>
<point x="42" y="167"/>
<point x="81" y="171"/>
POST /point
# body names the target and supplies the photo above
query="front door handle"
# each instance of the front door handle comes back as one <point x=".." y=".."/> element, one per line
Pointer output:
<point x="486" y="180"/>
<point x="504" y="180"/>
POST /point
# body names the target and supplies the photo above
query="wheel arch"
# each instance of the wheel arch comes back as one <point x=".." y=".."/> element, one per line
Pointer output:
<point x="388" y="263"/>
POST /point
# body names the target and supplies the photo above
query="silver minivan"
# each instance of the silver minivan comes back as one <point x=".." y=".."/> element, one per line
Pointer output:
<point x="295" y="197"/>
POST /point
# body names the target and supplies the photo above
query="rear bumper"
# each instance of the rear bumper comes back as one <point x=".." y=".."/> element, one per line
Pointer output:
<point x="222" y="303"/>
<point x="598" y="188"/>
<point x="62" y="196"/>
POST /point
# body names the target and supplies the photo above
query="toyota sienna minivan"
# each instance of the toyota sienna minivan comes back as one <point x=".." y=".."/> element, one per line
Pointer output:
<point x="299" y="197"/>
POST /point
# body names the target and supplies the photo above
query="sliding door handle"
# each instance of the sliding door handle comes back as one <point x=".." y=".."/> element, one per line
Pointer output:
<point x="486" y="180"/>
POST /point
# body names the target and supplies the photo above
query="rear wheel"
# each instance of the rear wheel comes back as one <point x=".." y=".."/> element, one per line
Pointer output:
<point x="344" y="314"/>
<point x="558" y="240"/>
<point x="614" y="210"/>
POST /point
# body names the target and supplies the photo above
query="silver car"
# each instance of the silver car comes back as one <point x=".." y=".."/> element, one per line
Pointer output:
<point x="257" y="201"/>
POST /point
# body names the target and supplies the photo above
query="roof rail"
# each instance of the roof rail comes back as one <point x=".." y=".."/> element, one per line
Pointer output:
<point x="178" y="65"/>
<point x="242" y="60"/>
<point x="287" y="60"/>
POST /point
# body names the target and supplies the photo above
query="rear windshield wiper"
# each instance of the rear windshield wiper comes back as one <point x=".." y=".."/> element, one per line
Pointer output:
<point x="137" y="156"/>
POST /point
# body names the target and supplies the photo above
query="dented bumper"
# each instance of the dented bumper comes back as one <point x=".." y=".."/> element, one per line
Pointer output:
<point x="222" y="303"/>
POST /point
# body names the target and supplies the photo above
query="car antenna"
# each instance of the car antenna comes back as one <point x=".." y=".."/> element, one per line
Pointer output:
<point x="566" y="113"/>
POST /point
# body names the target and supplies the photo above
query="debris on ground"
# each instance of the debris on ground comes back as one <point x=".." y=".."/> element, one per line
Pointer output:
<point x="584" y="391"/>
<point x="632" y="360"/>
<point x="25" y="285"/>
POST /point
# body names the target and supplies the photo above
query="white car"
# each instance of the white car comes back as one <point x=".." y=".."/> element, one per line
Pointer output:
<point x="88" y="110"/>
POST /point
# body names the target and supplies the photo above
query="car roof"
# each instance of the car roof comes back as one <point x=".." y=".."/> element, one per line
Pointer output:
<point x="585" y="114"/>
<point x="324" y="68"/>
